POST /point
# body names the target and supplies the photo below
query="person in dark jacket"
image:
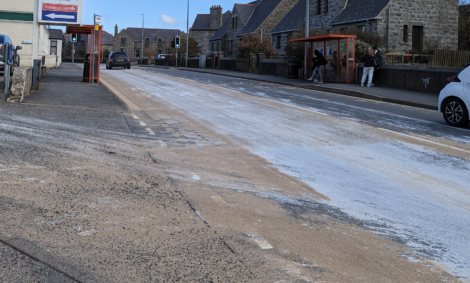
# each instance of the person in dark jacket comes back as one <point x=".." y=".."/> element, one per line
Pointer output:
<point x="318" y="62"/>
<point x="369" y="65"/>
<point x="379" y="59"/>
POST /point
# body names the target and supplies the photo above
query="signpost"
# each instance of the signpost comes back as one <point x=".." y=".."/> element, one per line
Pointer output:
<point x="60" y="12"/>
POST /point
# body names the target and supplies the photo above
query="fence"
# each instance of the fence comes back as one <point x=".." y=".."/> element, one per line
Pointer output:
<point x="450" y="58"/>
<point x="411" y="59"/>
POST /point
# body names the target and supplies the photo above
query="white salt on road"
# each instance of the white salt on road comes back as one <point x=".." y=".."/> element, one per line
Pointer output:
<point x="406" y="191"/>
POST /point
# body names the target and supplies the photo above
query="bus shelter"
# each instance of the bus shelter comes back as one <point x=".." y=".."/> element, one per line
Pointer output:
<point x="339" y="50"/>
<point x="93" y="45"/>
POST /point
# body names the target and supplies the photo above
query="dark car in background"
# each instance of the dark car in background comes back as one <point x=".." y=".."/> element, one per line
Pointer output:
<point x="118" y="60"/>
<point x="16" y="58"/>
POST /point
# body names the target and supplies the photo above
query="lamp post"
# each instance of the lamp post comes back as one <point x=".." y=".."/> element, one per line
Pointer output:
<point x="187" y="37"/>
<point x="142" y="46"/>
<point x="307" y="27"/>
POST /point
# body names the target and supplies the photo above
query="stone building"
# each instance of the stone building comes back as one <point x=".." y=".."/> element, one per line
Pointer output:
<point x="288" y="27"/>
<point x="226" y="38"/>
<point x="414" y="24"/>
<point x="106" y="44"/>
<point x="266" y="16"/>
<point x="206" y="25"/>
<point x="158" y="40"/>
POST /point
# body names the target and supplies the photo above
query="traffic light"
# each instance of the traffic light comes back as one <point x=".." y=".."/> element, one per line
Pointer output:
<point x="74" y="37"/>
<point x="173" y="43"/>
<point x="177" y="42"/>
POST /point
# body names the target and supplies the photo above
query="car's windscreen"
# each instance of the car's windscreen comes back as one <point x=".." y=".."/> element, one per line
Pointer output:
<point x="2" y="38"/>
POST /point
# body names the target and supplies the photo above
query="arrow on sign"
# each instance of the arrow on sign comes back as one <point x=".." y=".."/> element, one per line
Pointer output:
<point x="54" y="16"/>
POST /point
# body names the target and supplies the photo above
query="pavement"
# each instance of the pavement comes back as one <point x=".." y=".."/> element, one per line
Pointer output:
<point x="397" y="96"/>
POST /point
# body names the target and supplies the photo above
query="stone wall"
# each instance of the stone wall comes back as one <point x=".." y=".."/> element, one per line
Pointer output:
<point x="274" y="68"/>
<point x="128" y="45"/>
<point x="275" y="17"/>
<point x="439" y="19"/>
<point x="202" y="37"/>
<point x="21" y="83"/>
<point x="324" y="20"/>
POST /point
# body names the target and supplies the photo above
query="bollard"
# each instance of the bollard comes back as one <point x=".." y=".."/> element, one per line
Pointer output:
<point x="36" y="73"/>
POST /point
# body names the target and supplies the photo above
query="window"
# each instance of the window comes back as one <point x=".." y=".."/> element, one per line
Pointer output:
<point x="278" y="42"/>
<point x="236" y="22"/>
<point x="123" y="49"/>
<point x="53" y="47"/>
<point x="159" y="52"/>
<point x="362" y="28"/>
<point x="159" y="40"/>
<point x="405" y="33"/>
<point x="233" y="23"/>
<point x="123" y="40"/>
<point x="147" y="41"/>
<point x="318" y="7"/>
<point x="137" y="53"/>
<point x="326" y="6"/>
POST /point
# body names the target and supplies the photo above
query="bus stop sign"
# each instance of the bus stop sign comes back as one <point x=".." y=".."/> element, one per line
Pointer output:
<point x="60" y="11"/>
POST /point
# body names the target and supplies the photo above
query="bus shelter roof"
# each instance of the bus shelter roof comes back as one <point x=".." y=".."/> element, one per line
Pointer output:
<point x="323" y="38"/>
<point x="85" y="29"/>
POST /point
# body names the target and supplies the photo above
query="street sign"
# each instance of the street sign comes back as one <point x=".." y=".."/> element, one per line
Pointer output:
<point x="97" y="19"/>
<point x="60" y="11"/>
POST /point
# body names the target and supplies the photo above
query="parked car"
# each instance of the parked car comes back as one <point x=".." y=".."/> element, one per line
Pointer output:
<point x="454" y="99"/>
<point x="16" y="58"/>
<point x="161" y="56"/>
<point x="118" y="59"/>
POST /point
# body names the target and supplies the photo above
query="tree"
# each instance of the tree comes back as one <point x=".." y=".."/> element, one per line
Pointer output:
<point x="149" y="53"/>
<point x="252" y="43"/>
<point x="194" y="48"/>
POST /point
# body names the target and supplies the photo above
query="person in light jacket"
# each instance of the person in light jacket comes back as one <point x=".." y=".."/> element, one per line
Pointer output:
<point x="369" y="65"/>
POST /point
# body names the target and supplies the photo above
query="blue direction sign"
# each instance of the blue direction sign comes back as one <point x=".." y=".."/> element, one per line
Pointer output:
<point x="60" y="11"/>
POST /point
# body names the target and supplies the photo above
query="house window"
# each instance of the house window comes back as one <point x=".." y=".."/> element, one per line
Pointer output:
<point x="326" y="6"/>
<point x="147" y="41"/>
<point x="123" y="49"/>
<point x="278" y="42"/>
<point x="123" y="40"/>
<point x="236" y="22"/>
<point x="159" y="40"/>
<point x="318" y="7"/>
<point x="405" y="33"/>
<point x="137" y="53"/>
<point x="53" y="47"/>
<point x="233" y="23"/>
<point x="159" y="52"/>
<point x="362" y="28"/>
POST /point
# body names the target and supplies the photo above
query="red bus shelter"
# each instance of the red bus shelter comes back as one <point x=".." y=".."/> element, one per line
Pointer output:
<point x="89" y="30"/>
<point x="339" y="50"/>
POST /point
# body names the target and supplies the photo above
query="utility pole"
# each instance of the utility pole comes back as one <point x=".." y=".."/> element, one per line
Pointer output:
<point x="73" y="53"/>
<point x="142" y="46"/>
<point x="307" y="27"/>
<point x="187" y="37"/>
<point x="93" y="52"/>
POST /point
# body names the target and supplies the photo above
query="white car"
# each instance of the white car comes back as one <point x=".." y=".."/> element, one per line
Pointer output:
<point x="454" y="100"/>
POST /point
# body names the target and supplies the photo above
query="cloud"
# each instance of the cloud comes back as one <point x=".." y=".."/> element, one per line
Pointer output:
<point x="169" y="20"/>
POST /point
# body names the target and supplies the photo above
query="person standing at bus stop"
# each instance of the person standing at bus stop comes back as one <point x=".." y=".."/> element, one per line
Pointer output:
<point x="369" y="64"/>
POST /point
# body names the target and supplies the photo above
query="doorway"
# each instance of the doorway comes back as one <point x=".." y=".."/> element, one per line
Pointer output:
<point x="417" y="38"/>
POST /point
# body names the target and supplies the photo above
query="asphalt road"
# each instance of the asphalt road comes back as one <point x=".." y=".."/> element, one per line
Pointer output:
<point x="179" y="176"/>
<point x="398" y="170"/>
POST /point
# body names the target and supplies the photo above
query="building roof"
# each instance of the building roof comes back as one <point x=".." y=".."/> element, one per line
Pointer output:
<point x="202" y="22"/>
<point x="360" y="10"/>
<point x="259" y="15"/>
<point x="223" y="29"/>
<point x="293" y="20"/>
<point x="136" y="33"/>
<point x="244" y="11"/>
<point x="106" y="38"/>
<point x="56" y="34"/>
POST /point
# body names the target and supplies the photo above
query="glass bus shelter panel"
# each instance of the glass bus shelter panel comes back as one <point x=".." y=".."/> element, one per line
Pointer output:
<point x="351" y="63"/>
<point x="331" y="55"/>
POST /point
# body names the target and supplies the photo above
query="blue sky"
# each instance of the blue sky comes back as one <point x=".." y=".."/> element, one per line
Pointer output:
<point x="127" y="13"/>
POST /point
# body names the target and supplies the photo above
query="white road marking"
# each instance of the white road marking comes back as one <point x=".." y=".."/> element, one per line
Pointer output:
<point x="196" y="177"/>
<point x="263" y="244"/>
<point x="428" y="141"/>
<point x="143" y="124"/>
<point x="148" y="129"/>
<point x="135" y="117"/>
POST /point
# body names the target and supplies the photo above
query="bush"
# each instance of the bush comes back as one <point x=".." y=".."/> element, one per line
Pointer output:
<point x="149" y="53"/>
<point x="251" y="43"/>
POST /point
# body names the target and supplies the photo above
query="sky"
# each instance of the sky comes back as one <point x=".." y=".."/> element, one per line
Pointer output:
<point x="158" y="14"/>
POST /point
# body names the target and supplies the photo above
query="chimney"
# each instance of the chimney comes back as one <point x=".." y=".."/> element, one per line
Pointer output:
<point x="216" y="17"/>
<point x="116" y="30"/>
